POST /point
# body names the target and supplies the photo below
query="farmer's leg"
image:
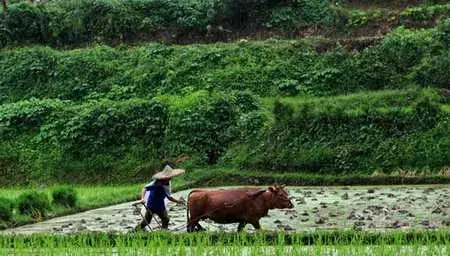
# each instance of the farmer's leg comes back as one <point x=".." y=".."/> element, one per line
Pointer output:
<point x="164" y="216"/>
<point x="147" y="219"/>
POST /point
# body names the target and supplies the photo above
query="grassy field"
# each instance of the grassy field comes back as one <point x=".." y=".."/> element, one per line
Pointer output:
<point x="435" y="242"/>
<point x="89" y="197"/>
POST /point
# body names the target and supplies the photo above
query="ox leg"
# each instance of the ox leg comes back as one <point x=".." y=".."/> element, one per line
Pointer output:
<point x="190" y="228"/>
<point x="199" y="227"/>
<point x="256" y="225"/>
<point x="241" y="226"/>
<point x="195" y="226"/>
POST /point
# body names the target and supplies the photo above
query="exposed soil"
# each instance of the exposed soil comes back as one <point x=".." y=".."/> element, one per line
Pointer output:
<point x="393" y="4"/>
<point x="361" y="207"/>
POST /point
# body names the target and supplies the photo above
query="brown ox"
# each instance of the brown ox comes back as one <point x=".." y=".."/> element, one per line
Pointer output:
<point x="241" y="205"/>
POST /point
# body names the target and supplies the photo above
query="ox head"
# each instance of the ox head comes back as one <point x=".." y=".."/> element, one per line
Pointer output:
<point x="280" y="197"/>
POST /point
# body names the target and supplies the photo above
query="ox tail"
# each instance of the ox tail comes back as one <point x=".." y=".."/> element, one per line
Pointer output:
<point x="187" y="211"/>
<point x="187" y="208"/>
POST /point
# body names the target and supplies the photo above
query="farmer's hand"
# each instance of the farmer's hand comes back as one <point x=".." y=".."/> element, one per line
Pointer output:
<point x="137" y="202"/>
<point x="181" y="201"/>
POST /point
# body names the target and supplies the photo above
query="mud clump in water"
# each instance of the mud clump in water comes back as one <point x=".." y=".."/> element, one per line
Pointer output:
<point x="399" y="224"/>
<point x="355" y="216"/>
<point x="377" y="209"/>
<point x="288" y="228"/>
<point x="360" y="223"/>
<point x="300" y="200"/>
<point x="437" y="211"/>
<point x="332" y="214"/>
<point x="345" y="196"/>
<point x="321" y="220"/>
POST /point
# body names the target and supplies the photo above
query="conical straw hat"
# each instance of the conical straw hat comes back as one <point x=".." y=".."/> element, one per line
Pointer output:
<point x="167" y="173"/>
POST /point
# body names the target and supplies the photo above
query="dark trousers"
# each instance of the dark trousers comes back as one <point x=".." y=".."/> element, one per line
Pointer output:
<point x="164" y="216"/>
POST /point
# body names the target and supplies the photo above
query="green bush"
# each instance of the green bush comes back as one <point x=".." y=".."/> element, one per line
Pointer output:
<point x="262" y="68"/>
<point x="25" y="116"/>
<point x="403" y="48"/>
<point x="425" y="12"/>
<point x="65" y="196"/>
<point x="347" y="134"/>
<point x="6" y="209"/>
<point x="432" y="71"/>
<point x="105" y="126"/>
<point x="81" y="21"/>
<point x="33" y="203"/>
<point x="443" y="32"/>
<point x="204" y="124"/>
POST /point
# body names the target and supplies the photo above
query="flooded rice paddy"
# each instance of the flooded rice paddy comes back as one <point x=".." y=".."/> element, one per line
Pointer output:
<point x="361" y="208"/>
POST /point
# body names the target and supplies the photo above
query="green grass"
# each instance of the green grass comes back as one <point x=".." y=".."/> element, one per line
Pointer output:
<point x="230" y="176"/>
<point x="343" y="242"/>
<point x="89" y="197"/>
<point x="375" y="99"/>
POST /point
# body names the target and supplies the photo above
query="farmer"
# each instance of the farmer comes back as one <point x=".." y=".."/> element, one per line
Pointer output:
<point x="154" y="194"/>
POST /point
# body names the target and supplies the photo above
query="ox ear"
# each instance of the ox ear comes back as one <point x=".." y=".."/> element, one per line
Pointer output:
<point x="271" y="189"/>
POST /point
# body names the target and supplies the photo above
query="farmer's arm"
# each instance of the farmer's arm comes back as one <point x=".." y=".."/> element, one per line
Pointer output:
<point x="174" y="200"/>
<point x="143" y="194"/>
<point x="140" y="201"/>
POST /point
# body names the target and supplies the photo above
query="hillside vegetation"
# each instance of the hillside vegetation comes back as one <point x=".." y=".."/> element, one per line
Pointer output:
<point x="75" y="22"/>
<point x="269" y="68"/>
<point x="106" y="114"/>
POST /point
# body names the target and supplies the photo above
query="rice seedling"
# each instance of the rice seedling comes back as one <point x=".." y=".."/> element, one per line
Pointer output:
<point x="339" y="242"/>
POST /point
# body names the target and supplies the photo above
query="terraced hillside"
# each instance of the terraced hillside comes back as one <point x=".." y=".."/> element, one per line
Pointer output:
<point x="80" y="22"/>
<point x="335" y="87"/>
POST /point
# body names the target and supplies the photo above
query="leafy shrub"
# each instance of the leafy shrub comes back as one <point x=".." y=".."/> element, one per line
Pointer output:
<point x="6" y="209"/>
<point x="105" y="126"/>
<point x="206" y="124"/>
<point x="347" y="134"/>
<point x="65" y="197"/>
<point x="425" y="12"/>
<point x="433" y="71"/>
<point x="262" y="68"/>
<point x="33" y="203"/>
<point x="404" y="48"/>
<point x="250" y="126"/>
<point x="81" y="21"/>
<point x="28" y="69"/>
<point x="25" y="23"/>
<point x="247" y="101"/>
<point x="25" y="116"/>
<point x="427" y="109"/>
<point x="443" y="32"/>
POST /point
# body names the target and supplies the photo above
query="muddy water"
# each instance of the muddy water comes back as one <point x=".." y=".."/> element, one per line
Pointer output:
<point x="382" y="207"/>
